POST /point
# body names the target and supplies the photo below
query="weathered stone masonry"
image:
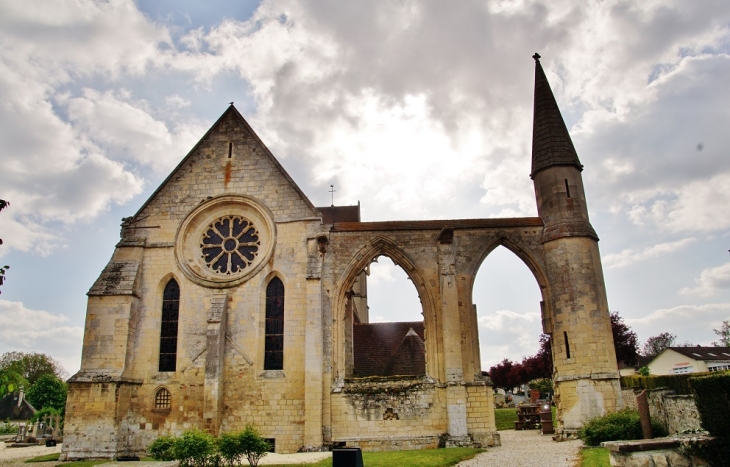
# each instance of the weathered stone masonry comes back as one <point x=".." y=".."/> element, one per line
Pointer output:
<point x="220" y="381"/>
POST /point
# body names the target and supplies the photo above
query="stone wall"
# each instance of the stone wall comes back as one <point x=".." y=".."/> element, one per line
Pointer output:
<point x="676" y="413"/>
<point x="676" y="451"/>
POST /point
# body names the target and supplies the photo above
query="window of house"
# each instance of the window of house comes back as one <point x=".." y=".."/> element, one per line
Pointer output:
<point x="162" y="399"/>
<point x="683" y="369"/>
<point x="168" y="329"/>
<point x="274" y="344"/>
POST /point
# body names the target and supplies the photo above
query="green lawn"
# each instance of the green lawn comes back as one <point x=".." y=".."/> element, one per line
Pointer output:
<point x="594" y="457"/>
<point x="505" y="418"/>
<point x="45" y="458"/>
<point x="421" y="458"/>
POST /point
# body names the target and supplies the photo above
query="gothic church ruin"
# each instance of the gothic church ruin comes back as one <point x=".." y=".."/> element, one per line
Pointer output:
<point x="230" y="299"/>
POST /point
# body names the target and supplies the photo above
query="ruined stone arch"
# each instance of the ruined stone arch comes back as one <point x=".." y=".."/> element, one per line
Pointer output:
<point x="528" y="258"/>
<point x="383" y="246"/>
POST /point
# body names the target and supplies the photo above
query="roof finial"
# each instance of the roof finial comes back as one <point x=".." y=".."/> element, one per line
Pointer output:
<point x="536" y="57"/>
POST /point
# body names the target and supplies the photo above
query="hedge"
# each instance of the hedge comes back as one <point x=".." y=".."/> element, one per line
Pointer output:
<point x="712" y="395"/>
<point x="679" y="383"/>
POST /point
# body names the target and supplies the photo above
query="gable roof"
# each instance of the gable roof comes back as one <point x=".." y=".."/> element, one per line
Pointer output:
<point x="382" y="347"/>
<point x="10" y="409"/>
<point x="551" y="143"/>
<point x="231" y="111"/>
<point x="703" y="353"/>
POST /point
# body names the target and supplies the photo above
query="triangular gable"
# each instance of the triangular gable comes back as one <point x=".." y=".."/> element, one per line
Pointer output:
<point x="260" y="150"/>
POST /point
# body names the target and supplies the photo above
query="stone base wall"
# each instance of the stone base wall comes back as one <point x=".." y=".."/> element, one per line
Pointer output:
<point x="676" y="413"/>
<point x="392" y="443"/>
<point x="389" y="409"/>
<point x="676" y="451"/>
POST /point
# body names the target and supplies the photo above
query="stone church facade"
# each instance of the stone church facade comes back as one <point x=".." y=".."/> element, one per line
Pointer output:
<point x="230" y="299"/>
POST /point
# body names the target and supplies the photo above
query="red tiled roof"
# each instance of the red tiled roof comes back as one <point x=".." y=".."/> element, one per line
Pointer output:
<point x="384" y="349"/>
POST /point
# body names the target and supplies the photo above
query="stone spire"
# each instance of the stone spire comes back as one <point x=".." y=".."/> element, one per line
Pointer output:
<point x="551" y="143"/>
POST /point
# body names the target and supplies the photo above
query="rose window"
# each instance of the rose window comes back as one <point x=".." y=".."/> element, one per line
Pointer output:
<point x="230" y="244"/>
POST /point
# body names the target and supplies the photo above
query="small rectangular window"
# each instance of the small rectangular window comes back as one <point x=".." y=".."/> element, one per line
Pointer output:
<point x="567" y="188"/>
<point x="567" y="345"/>
<point x="230" y="150"/>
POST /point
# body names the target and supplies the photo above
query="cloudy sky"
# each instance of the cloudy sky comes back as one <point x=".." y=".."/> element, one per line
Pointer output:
<point x="418" y="109"/>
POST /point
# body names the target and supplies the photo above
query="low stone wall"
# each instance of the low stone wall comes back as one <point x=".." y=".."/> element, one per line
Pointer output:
<point x="674" y="451"/>
<point x="676" y="413"/>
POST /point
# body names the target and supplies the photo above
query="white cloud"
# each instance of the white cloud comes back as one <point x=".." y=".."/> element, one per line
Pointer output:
<point x="690" y="323"/>
<point x="26" y="330"/>
<point x="631" y="256"/>
<point x="710" y="281"/>
<point x="507" y="333"/>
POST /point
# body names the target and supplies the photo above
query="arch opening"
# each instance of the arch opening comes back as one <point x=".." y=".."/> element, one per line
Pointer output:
<point x="384" y="323"/>
<point x="507" y="301"/>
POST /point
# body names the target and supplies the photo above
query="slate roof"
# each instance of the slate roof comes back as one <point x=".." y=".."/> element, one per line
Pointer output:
<point x="332" y="214"/>
<point x="389" y="349"/>
<point x="10" y="410"/>
<point x="438" y="224"/>
<point x="551" y="143"/>
<point x="704" y="353"/>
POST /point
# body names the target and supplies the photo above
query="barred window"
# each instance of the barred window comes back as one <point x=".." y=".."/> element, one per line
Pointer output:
<point x="162" y="399"/>
<point x="168" y="330"/>
<point x="274" y="344"/>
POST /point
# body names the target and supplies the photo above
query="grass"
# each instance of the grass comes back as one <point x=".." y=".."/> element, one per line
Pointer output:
<point x="505" y="418"/>
<point x="45" y="458"/>
<point x="419" y="458"/>
<point x="594" y="457"/>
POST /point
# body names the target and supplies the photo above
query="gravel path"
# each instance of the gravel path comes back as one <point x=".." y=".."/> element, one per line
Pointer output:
<point x="15" y="457"/>
<point x="527" y="448"/>
<point x="519" y="449"/>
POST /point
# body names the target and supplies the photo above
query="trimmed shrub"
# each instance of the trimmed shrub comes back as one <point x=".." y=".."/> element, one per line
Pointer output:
<point x="229" y="448"/>
<point x="199" y="449"/>
<point x="679" y="383"/>
<point x="254" y="447"/>
<point x="194" y="448"/>
<point x="161" y="448"/>
<point x="712" y="396"/>
<point x="616" y="426"/>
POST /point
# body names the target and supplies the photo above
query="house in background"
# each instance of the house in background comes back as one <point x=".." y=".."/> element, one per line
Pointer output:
<point x="14" y="407"/>
<point x="680" y="360"/>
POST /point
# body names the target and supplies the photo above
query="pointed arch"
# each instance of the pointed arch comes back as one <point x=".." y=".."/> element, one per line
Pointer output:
<point x="274" y="327"/>
<point x="169" y="326"/>
<point x="522" y="251"/>
<point x="382" y="246"/>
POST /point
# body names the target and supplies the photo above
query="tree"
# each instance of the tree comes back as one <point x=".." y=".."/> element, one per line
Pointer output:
<point x="500" y="374"/>
<point x="625" y="340"/>
<point x="724" y="333"/>
<point x="32" y="365"/>
<point x="3" y="205"/>
<point x="48" y="391"/>
<point x="10" y="381"/>
<point x="655" y="344"/>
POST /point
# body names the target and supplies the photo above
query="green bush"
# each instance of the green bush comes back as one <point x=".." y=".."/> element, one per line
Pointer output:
<point x="199" y="449"/>
<point x="161" y="448"/>
<point x="679" y="383"/>
<point x="8" y="428"/>
<point x="712" y="396"/>
<point x="41" y="414"/>
<point x="194" y="448"/>
<point x="254" y="447"/>
<point x="622" y="425"/>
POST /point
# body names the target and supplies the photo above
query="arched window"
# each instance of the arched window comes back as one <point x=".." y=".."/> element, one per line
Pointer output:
<point x="274" y="346"/>
<point x="162" y="399"/>
<point x="168" y="330"/>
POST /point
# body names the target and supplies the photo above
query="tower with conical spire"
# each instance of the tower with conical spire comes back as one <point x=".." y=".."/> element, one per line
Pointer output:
<point x="576" y="314"/>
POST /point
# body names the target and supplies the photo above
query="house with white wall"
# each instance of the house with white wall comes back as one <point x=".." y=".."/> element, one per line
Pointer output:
<point x="680" y="360"/>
